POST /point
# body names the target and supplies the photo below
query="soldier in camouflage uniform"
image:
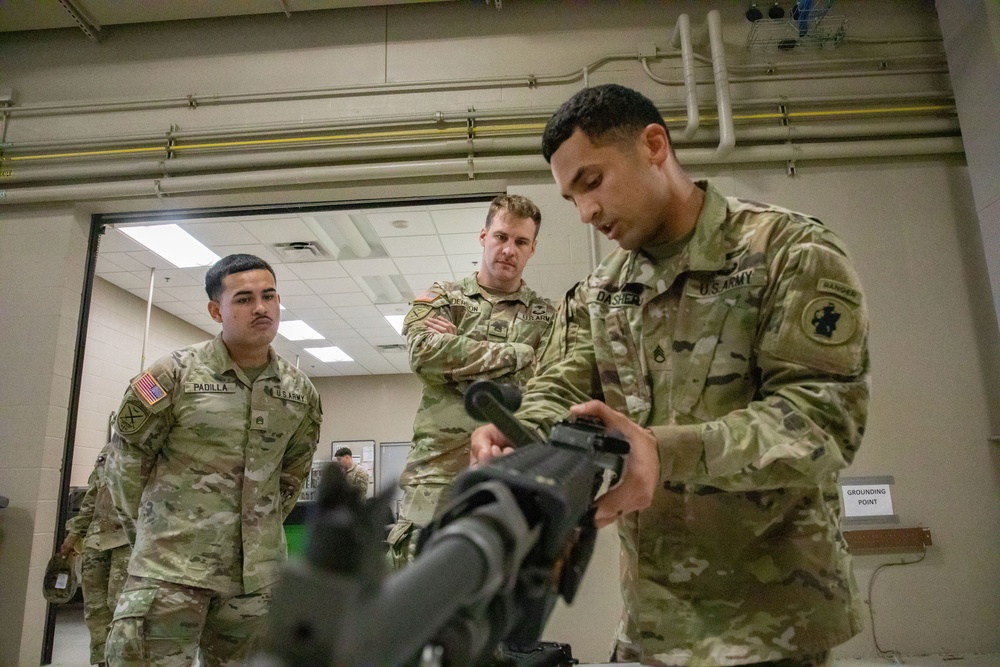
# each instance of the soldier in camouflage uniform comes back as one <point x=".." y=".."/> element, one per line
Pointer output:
<point x="488" y="325"/>
<point x="98" y="531"/>
<point x="215" y="441"/>
<point x="727" y="341"/>
<point x="357" y="477"/>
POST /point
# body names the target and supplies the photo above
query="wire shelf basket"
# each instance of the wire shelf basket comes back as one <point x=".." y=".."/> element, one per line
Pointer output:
<point x="789" y="34"/>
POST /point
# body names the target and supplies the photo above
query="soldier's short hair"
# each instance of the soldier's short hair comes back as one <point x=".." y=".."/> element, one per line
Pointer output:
<point x="606" y="114"/>
<point x="343" y="451"/>
<point x="516" y="205"/>
<point x="229" y="265"/>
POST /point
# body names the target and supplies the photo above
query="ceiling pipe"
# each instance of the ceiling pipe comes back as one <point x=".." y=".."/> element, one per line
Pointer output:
<point x="404" y="150"/>
<point x="338" y="154"/>
<point x="457" y="167"/>
<point x="727" y="135"/>
<point x="682" y="38"/>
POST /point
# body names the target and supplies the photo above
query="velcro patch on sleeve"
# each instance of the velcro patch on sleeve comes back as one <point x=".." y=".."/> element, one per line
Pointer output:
<point x="148" y="389"/>
<point x="823" y="321"/>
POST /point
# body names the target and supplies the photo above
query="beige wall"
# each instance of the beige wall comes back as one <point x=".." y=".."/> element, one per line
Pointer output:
<point x="911" y="225"/>
<point x="113" y="357"/>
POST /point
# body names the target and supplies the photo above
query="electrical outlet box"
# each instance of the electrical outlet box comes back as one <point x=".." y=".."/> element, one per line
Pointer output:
<point x="646" y="50"/>
<point x="888" y="540"/>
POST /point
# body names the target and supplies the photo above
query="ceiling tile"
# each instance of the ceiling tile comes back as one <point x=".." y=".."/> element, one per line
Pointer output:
<point x="350" y="313"/>
<point x="419" y="282"/>
<point x="214" y="233"/>
<point x="400" y="223"/>
<point x="126" y="280"/>
<point x="461" y="220"/>
<point x="190" y="293"/>
<point x="382" y="266"/>
<point x="464" y="265"/>
<point x="315" y="270"/>
<point x="347" y="299"/>
<point x="114" y="241"/>
<point x="284" y="229"/>
<point x="412" y="246"/>
<point x="422" y="264"/>
<point x="334" y="285"/>
<point x="461" y="243"/>
<point x="255" y="249"/>
<point x="300" y="302"/>
<point x="293" y="288"/>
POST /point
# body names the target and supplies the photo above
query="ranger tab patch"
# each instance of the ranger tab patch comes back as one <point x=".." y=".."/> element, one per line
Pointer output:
<point x="148" y="389"/>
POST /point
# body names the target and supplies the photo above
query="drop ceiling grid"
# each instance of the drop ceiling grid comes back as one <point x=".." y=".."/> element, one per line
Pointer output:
<point x="432" y="243"/>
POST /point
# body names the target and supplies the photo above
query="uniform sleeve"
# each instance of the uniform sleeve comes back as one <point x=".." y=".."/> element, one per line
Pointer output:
<point x="297" y="461"/>
<point x="566" y="372"/>
<point x="80" y="524"/>
<point x="442" y="358"/>
<point x="808" y="418"/>
<point x="141" y="430"/>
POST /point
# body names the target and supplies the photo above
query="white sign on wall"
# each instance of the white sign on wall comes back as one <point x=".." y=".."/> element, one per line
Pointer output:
<point x="866" y="499"/>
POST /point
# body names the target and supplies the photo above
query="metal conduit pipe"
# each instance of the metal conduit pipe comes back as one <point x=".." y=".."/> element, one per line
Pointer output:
<point x="194" y="101"/>
<point x="727" y="136"/>
<point x="453" y="167"/>
<point x="682" y="38"/>
<point x="363" y="152"/>
<point x="510" y="114"/>
<point x="257" y="159"/>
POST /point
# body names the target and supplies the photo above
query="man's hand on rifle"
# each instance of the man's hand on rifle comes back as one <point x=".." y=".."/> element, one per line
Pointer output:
<point x="634" y="492"/>
<point x="487" y="443"/>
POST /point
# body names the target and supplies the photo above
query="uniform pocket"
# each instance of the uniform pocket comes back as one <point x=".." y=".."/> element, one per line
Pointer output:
<point x="135" y="603"/>
<point x="623" y="373"/>
<point x="126" y="642"/>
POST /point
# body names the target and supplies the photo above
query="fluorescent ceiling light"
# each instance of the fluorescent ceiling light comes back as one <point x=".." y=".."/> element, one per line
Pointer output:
<point x="173" y="244"/>
<point x="396" y="321"/>
<point x="298" y="330"/>
<point x="328" y="354"/>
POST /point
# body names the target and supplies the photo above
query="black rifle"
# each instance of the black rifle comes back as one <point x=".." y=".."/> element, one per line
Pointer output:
<point x="518" y="533"/>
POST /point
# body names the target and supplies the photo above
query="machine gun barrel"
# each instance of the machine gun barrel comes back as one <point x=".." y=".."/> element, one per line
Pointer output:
<point x="517" y="534"/>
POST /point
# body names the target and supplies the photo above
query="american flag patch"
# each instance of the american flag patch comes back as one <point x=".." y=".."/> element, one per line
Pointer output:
<point x="148" y="388"/>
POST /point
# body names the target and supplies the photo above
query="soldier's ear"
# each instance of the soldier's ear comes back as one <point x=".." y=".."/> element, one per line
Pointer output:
<point x="214" y="311"/>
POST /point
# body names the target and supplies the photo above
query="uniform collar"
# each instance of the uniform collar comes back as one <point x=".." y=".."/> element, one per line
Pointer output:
<point x="471" y="287"/>
<point x="224" y="363"/>
<point x="703" y="249"/>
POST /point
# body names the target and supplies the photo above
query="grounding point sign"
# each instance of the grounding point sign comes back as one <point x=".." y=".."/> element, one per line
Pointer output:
<point x="866" y="500"/>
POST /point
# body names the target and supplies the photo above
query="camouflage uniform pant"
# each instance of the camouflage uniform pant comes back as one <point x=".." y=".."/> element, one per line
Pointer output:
<point x="622" y="653"/>
<point x="162" y="624"/>
<point x="416" y="511"/>
<point x="102" y="574"/>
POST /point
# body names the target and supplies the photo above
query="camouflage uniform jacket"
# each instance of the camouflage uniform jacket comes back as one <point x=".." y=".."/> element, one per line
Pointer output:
<point x="496" y="339"/>
<point x="208" y="465"/>
<point x="97" y="521"/>
<point x="357" y="479"/>
<point x="744" y="350"/>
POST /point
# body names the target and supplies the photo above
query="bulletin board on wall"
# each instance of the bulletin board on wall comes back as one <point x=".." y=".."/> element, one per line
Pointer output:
<point x="363" y="452"/>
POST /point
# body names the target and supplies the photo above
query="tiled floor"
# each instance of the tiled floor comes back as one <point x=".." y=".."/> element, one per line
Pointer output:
<point x="71" y="649"/>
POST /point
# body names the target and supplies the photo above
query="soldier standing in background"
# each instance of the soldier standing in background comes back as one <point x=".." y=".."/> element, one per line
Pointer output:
<point x="97" y="530"/>
<point x="357" y="477"/>
<point x="727" y="341"/>
<point x="215" y="442"/>
<point x="487" y="326"/>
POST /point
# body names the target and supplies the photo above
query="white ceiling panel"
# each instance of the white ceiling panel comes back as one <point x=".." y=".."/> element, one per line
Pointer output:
<point x="381" y="266"/>
<point x="298" y="303"/>
<point x="461" y="244"/>
<point x="346" y="299"/>
<point x="313" y="271"/>
<point x="401" y="223"/>
<point x="220" y="233"/>
<point x="284" y="229"/>
<point x="435" y="264"/>
<point x="413" y="246"/>
<point x="350" y="313"/>
<point x="464" y="265"/>
<point x="461" y="219"/>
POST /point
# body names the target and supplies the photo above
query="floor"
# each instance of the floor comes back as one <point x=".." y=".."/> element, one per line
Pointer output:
<point x="71" y="649"/>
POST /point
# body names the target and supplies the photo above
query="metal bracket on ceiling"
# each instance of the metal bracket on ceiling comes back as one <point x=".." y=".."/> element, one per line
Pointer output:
<point x="88" y="25"/>
<point x="284" y="8"/>
<point x="790" y="168"/>
<point x="471" y="135"/>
